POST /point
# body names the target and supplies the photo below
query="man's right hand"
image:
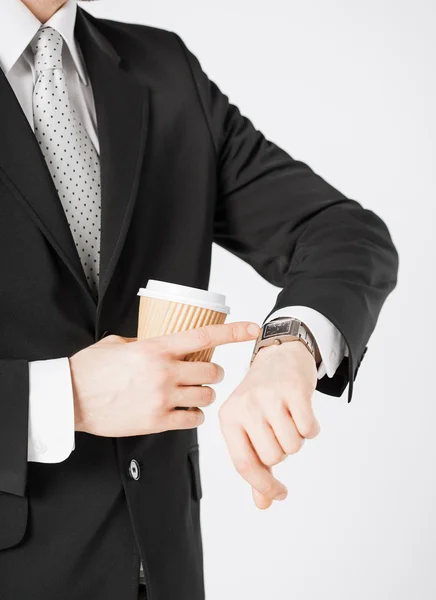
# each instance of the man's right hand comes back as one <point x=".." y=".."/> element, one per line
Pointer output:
<point x="124" y="387"/>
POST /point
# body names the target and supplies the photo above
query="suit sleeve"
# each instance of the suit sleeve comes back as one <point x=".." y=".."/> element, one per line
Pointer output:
<point x="14" y="411"/>
<point x="301" y="234"/>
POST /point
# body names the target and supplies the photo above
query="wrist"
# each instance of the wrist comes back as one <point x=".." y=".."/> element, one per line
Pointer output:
<point x="293" y="348"/>
<point x="78" y="413"/>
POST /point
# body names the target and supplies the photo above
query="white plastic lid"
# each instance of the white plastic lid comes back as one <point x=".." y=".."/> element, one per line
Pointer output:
<point x="185" y="295"/>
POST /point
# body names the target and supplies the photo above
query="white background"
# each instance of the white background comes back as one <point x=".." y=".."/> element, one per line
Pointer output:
<point x="349" y="87"/>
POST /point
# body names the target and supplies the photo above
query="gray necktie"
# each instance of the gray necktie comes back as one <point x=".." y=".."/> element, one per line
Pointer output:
<point x="68" y="151"/>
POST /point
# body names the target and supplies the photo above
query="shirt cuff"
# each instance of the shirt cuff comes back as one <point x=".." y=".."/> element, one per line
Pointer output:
<point x="330" y="342"/>
<point x="51" y="411"/>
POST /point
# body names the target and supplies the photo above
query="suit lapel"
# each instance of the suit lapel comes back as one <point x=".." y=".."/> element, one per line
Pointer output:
<point x="122" y="115"/>
<point x="24" y="171"/>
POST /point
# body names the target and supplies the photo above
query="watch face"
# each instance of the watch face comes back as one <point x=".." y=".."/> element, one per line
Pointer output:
<point x="277" y="328"/>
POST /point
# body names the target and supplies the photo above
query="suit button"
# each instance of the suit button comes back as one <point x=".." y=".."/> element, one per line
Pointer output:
<point x="134" y="471"/>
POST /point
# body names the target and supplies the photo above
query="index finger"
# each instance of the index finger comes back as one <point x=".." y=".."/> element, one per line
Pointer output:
<point x="203" y="338"/>
<point x="249" y="466"/>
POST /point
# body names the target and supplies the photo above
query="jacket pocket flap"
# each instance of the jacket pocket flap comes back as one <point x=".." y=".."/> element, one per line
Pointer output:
<point x="13" y="519"/>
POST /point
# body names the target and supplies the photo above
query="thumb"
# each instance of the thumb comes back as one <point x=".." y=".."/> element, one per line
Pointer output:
<point x="116" y="339"/>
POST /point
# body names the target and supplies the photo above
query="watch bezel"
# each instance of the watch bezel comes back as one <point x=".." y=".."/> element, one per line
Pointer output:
<point x="287" y="322"/>
<point x="292" y="333"/>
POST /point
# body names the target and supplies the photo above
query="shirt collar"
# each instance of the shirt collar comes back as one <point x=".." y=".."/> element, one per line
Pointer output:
<point x="18" y="26"/>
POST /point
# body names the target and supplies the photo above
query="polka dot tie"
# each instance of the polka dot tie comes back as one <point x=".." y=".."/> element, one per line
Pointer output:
<point x="68" y="151"/>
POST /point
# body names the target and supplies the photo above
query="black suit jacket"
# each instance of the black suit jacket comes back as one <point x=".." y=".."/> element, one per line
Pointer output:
<point x="181" y="168"/>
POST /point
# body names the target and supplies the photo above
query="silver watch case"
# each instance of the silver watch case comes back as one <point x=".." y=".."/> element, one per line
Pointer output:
<point x="284" y="329"/>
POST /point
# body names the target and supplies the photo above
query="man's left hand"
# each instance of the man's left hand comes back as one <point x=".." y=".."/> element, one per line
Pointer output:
<point x="269" y="415"/>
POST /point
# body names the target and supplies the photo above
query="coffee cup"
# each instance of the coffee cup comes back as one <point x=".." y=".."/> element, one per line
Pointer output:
<point x="166" y="308"/>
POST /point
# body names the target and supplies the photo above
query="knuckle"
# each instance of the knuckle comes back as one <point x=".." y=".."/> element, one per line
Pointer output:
<point x="235" y="333"/>
<point x="244" y="466"/>
<point x="144" y="348"/>
<point x="160" y="381"/>
<point x="208" y="395"/>
<point x="251" y="406"/>
<point x="266" y="488"/>
<point x="300" y="389"/>
<point x="294" y="383"/>
<point x="157" y="346"/>
<point x="216" y="373"/>
<point x="194" y="418"/>
<point x="159" y="400"/>
<point x="247" y="398"/>
<point x="162" y="344"/>
<point x="161" y="377"/>
<point x="274" y="458"/>
<point x="177" y="371"/>
<point x="159" y="388"/>
<point x="226" y="413"/>
<point x="203" y="336"/>
<point x="213" y="372"/>
<point x="294" y="446"/>
<point x="111" y="338"/>
<point x="308" y="428"/>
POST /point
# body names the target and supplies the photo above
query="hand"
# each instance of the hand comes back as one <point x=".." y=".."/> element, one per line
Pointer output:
<point x="269" y="415"/>
<point x="123" y="387"/>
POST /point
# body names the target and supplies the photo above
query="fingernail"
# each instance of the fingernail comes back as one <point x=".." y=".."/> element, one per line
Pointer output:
<point x="253" y="329"/>
<point x="281" y="496"/>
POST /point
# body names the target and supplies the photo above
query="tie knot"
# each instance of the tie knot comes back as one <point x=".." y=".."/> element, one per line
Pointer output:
<point x="47" y="47"/>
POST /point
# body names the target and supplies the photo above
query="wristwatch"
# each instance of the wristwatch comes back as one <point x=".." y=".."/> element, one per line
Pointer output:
<point x="285" y="329"/>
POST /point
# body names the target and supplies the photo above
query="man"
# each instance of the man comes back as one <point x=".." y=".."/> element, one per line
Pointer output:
<point x="120" y="162"/>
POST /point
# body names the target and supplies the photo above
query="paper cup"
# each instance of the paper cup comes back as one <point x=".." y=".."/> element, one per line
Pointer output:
<point x="166" y="308"/>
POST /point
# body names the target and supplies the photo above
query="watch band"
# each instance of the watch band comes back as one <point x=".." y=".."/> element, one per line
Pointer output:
<point x="284" y="329"/>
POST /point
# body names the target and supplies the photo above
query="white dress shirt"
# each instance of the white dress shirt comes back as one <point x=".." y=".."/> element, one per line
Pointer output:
<point x="51" y="407"/>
